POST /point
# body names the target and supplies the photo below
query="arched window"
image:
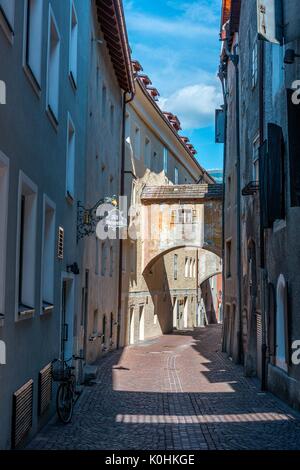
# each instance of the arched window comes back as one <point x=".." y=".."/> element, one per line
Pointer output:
<point x="281" y="326"/>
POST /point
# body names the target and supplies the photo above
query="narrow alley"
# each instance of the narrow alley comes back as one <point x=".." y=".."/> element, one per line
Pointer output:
<point x="175" y="392"/>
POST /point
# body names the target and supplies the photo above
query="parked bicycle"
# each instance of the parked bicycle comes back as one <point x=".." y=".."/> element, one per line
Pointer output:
<point x="66" y="393"/>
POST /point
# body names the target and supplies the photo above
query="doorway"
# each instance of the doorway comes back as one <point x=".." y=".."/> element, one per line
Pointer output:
<point x="67" y="316"/>
<point x="142" y="323"/>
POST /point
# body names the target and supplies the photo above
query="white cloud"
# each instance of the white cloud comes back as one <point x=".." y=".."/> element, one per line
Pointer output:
<point x="178" y="27"/>
<point x="194" y="105"/>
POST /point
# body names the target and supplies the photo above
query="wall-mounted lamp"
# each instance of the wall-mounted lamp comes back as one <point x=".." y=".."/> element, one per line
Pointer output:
<point x="290" y="56"/>
<point x="73" y="268"/>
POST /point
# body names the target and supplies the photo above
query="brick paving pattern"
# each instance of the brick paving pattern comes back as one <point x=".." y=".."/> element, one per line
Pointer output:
<point x="177" y="392"/>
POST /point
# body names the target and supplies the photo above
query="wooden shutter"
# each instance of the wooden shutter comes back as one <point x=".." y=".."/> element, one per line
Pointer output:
<point x="272" y="319"/>
<point x="45" y="388"/>
<point x="263" y="184"/>
<point x="294" y="148"/>
<point x="22" y="413"/>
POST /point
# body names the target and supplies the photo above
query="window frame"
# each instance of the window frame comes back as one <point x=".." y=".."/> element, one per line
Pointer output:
<point x="28" y="312"/>
<point x="73" y="73"/>
<point x="52" y="113"/>
<point x="36" y="81"/>
<point x="4" y="192"/>
<point x="70" y="195"/>
<point x="47" y="305"/>
<point x="7" y="23"/>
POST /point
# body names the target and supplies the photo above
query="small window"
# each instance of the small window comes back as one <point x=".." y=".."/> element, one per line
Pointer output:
<point x="228" y="259"/>
<point x="132" y="258"/>
<point x="104" y="329"/>
<point x="165" y="160"/>
<point x="34" y="39"/>
<point x="186" y="267"/>
<point x="26" y="245"/>
<point x="194" y="269"/>
<point x="53" y="67"/>
<point x="175" y="267"/>
<point x="254" y="73"/>
<point x="95" y="323"/>
<point x="147" y="154"/>
<point x="191" y="268"/>
<point x="176" y="176"/>
<point x="48" y="255"/>
<point x="7" y="9"/>
<point x="137" y="143"/>
<point x="112" y="117"/>
<point x="71" y="153"/>
<point x="104" y="99"/>
<point x="73" y="45"/>
<point x="60" y="243"/>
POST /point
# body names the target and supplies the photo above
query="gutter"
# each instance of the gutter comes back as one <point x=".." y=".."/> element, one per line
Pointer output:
<point x="122" y="193"/>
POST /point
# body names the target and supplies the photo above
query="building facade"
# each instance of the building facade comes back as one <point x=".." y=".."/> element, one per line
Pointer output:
<point x="260" y="233"/>
<point x="60" y="151"/>
<point x="165" y="295"/>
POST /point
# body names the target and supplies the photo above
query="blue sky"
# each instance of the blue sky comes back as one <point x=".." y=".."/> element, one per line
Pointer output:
<point x="177" y="43"/>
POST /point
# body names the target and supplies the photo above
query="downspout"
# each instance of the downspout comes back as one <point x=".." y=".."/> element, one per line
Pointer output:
<point x="263" y="278"/>
<point x="235" y="61"/>
<point x="122" y="193"/>
<point x="222" y="77"/>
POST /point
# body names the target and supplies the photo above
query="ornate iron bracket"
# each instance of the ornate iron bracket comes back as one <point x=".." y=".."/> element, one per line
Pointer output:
<point x="87" y="218"/>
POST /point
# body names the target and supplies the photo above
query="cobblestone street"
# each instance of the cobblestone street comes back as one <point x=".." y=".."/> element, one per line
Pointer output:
<point x="175" y="392"/>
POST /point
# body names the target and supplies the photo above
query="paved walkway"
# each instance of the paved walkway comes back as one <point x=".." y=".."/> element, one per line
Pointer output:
<point x="175" y="392"/>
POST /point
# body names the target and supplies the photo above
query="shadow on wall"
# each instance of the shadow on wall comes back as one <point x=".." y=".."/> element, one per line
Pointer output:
<point x="208" y="297"/>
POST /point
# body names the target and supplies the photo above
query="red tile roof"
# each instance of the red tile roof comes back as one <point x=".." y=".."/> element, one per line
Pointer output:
<point x="112" y="22"/>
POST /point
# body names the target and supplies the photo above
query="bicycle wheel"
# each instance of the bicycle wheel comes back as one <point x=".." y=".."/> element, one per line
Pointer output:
<point x="64" y="402"/>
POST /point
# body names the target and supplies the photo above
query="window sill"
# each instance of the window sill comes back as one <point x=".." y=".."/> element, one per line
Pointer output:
<point x="69" y="198"/>
<point x="52" y="118"/>
<point x="32" y="80"/>
<point x="279" y="225"/>
<point x="47" y="308"/>
<point x="72" y="81"/>
<point x="7" y="28"/>
<point x="24" y="312"/>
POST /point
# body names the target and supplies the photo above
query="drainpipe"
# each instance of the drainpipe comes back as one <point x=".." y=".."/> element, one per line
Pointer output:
<point x="222" y="77"/>
<point x="263" y="277"/>
<point x="122" y="193"/>
<point x="234" y="58"/>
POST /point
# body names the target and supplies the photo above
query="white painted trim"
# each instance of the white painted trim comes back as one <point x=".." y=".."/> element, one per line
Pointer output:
<point x="4" y="166"/>
<point x="46" y="201"/>
<point x="23" y="179"/>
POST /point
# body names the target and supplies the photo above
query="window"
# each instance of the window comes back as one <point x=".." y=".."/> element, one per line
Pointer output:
<point x="53" y="67"/>
<point x="26" y="245"/>
<point x="186" y="267"/>
<point x="48" y="255"/>
<point x="254" y="71"/>
<point x="147" y="155"/>
<point x="255" y="158"/>
<point x="176" y="176"/>
<point x="103" y="258"/>
<point x="111" y="261"/>
<point x="175" y="267"/>
<point x="95" y="323"/>
<point x="4" y="169"/>
<point x="165" y="160"/>
<point x="112" y="117"/>
<point x="111" y="325"/>
<point x="194" y="269"/>
<point x="104" y="99"/>
<point x="191" y="268"/>
<point x="73" y="45"/>
<point x="70" y="183"/>
<point x="228" y="259"/>
<point x="34" y="39"/>
<point x="104" y="329"/>
<point x="132" y="258"/>
<point x="137" y="143"/>
<point x="7" y="8"/>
